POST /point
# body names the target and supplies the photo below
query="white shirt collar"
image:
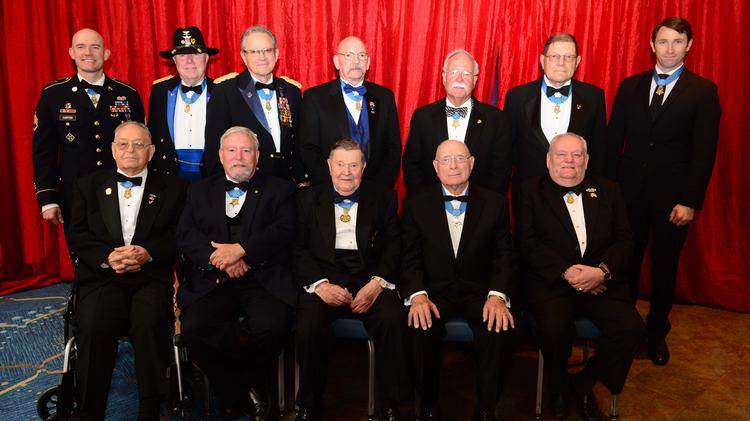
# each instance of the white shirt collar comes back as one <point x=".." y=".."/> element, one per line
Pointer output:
<point x="447" y="193"/>
<point x="549" y="82"/>
<point x="659" y="70"/>
<point x="99" y="82"/>
<point x="466" y="103"/>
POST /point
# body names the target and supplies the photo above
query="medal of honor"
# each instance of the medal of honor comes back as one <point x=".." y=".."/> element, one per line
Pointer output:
<point x="660" y="90"/>
<point x="345" y="217"/>
<point x="128" y="193"/>
<point x="455" y="124"/>
<point x="187" y="108"/>
<point x="268" y="105"/>
<point x="235" y="201"/>
<point x="95" y="100"/>
<point x="358" y="105"/>
<point x="570" y="199"/>
<point x="557" y="109"/>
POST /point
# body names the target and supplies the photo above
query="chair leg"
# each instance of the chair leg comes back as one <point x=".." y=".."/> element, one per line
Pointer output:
<point x="613" y="408"/>
<point x="371" y="380"/>
<point x="281" y="383"/>
<point x="539" y="384"/>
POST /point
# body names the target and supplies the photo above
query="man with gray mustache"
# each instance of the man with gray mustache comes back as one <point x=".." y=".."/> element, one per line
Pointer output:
<point x="482" y="127"/>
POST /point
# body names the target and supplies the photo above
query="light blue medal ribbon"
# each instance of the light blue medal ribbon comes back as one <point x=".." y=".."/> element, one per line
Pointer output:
<point x="346" y="204"/>
<point x="194" y="97"/>
<point x="236" y="193"/>
<point x="265" y="94"/>
<point x="127" y="184"/>
<point x="455" y="211"/>
<point x="554" y="98"/>
<point x="664" y="82"/>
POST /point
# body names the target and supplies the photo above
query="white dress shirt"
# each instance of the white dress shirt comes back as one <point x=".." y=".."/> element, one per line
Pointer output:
<point x="554" y="123"/>
<point x="351" y="104"/>
<point x="668" y="88"/>
<point x="575" y="210"/>
<point x="129" y="207"/>
<point x="190" y="127"/>
<point x="272" y="115"/>
<point x="230" y="209"/>
<point x="458" y="133"/>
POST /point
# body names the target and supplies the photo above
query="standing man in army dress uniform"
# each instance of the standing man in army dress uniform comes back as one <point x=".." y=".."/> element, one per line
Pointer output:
<point x="75" y="122"/>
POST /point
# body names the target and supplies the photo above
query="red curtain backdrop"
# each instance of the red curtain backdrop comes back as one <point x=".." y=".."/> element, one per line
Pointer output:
<point x="408" y="40"/>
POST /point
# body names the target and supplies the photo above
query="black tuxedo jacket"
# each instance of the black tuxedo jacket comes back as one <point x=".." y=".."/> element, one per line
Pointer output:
<point x="324" y="121"/>
<point x="485" y="260"/>
<point x="165" y="157"/>
<point x="95" y="227"/>
<point x="548" y="241"/>
<point x="229" y="107"/>
<point x="588" y="118"/>
<point x="378" y="233"/>
<point x="488" y="138"/>
<point x="268" y="230"/>
<point x="673" y="154"/>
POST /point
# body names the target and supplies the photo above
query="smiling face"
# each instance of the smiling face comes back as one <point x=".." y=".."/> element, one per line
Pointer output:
<point x="459" y="79"/>
<point x="453" y="164"/>
<point x="191" y="67"/>
<point x="670" y="48"/>
<point x="132" y="148"/>
<point x="239" y="156"/>
<point x="346" y="168"/>
<point x="560" y="62"/>
<point x="259" y="55"/>
<point x="88" y="51"/>
<point x="567" y="160"/>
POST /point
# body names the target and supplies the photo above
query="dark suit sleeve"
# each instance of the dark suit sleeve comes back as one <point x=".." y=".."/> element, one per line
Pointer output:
<point x="619" y="254"/>
<point x="153" y="114"/>
<point x="597" y="144"/>
<point x="217" y="122"/>
<point x="512" y="111"/>
<point x="703" y="153"/>
<point x="412" y="273"/>
<point x="537" y="254"/>
<point x="500" y="167"/>
<point x="388" y="172"/>
<point x="137" y="112"/>
<point x="193" y="243"/>
<point x="44" y="151"/>
<point x="616" y="132"/>
<point x="414" y="178"/>
<point x="306" y="268"/>
<point x="91" y="249"/>
<point x="278" y="236"/>
<point x="505" y="258"/>
<point x="390" y="260"/>
<point x="311" y="151"/>
<point x="161" y="244"/>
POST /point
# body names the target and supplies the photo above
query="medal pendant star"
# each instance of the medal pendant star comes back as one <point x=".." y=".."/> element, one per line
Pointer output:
<point x="235" y="201"/>
<point x="358" y="105"/>
<point x="345" y="217"/>
<point x="128" y="193"/>
<point x="570" y="199"/>
<point x="557" y="109"/>
<point x="660" y="90"/>
<point x="187" y="108"/>
<point x="268" y="105"/>
<point x="455" y="124"/>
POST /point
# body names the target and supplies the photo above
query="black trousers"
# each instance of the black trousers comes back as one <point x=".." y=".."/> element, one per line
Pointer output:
<point x="235" y="356"/>
<point x="385" y="323"/>
<point x="622" y="333"/>
<point x="651" y="217"/>
<point x="140" y="309"/>
<point x="489" y="348"/>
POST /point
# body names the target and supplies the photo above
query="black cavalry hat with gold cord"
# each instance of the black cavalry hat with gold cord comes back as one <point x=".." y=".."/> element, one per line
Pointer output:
<point x="188" y="41"/>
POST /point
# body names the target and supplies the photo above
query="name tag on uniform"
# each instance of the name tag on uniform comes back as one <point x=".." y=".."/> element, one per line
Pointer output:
<point x="67" y="117"/>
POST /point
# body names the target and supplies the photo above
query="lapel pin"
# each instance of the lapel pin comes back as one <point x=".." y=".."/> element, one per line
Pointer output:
<point x="108" y="191"/>
<point x="256" y="191"/>
<point x="151" y="198"/>
<point x="372" y="107"/>
<point x="479" y="121"/>
<point x="578" y="106"/>
<point x="592" y="192"/>
<point x="74" y="89"/>
<point x="249" y="94"/>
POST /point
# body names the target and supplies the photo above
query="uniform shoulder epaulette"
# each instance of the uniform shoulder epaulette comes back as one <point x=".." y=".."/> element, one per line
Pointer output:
<point x="225" y="77"/>
<point x="162" y="79"/>
<point x="123" y="84"/>
<point x="292" y="81"/>
<point x="57" y="82"/>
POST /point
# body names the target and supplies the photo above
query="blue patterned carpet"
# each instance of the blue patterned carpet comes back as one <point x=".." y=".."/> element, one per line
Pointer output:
<point x="31" y="357"/>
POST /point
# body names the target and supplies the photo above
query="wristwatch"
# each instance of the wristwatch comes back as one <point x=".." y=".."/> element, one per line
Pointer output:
<point x="382" y="282"/>
<point x="605" y="269"/>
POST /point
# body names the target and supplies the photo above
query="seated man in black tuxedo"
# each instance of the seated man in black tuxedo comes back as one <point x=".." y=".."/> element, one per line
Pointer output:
<point x="576" y="244"/>
<point x="237" y="231"/>
<point x="458" y="260"/>
<point x="347" y="260"/>
<point x="122" y="238"/>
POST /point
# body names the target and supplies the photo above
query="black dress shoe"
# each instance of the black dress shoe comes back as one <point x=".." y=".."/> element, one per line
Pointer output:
<point x="390" y="414"/>
<point x="558" y="406"/>
<point x="587" y="409"/>
<point x="429" y="414"/>
<point x="484" y="415"/>
<point x="304" y="414"/>
<point x="260" y="408"/>
<point x="658" y="351"/>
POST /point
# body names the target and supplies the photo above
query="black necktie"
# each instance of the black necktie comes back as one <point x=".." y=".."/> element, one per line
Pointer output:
<point x="230" y="185"/>
<point x="122" y="178"/>
<point x="449" y="111"/>
<point x="198" y="89"/>
<point x="563" y="90"/>
<point x="658" y="97"/>
<point x="463" y="198"/>
<point x="96" y="88"/>
<point x="261" y="85"/>
<point x="338" y="198"/>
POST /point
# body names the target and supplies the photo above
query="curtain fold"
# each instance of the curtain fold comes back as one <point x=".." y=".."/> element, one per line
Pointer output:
<point x="408" y="40"/>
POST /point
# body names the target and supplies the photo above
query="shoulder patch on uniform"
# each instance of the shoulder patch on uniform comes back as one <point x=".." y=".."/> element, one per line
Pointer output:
<point x="57" y="82"/>
<point x="292" y="81"/>
<point x="123" y="83"/>
<point x="225" y="77"/>
<point x="162" y="79"/>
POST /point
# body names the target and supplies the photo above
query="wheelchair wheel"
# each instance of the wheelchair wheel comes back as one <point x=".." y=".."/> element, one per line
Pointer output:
<point x="46" y="405"/>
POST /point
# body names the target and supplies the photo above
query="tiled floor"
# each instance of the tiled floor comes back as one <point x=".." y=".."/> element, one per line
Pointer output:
<point x="707" y="378"/>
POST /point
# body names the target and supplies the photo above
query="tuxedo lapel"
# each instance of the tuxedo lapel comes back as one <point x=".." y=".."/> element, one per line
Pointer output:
<point x="679" y="88"/>
<point x="579" y="109"/>
<point x="171" y="99"/>
<point x="591" y="202"/>
<point x="371" y="106"/>
<point x="325" y="214"/>
<point x="251" y="99"/>
<point x="534" y="117"/>
<point x="552" y="196"/>
<point x="252" y="197"/>
<point x="150" y="205"/>
<point x="434" y="214"/>
<point x="365" y="218"/>
<point x="337" y="108"/>
<point x="476" y="126"/>
<point x="107" y="195"/>
<point x="217" y="198"/>
<point x="643" y="96"/>
<point x="440" y="124"/>
<point x="474" y="207"/>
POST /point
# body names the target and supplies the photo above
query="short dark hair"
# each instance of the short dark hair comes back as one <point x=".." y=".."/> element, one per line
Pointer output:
<point x="347" y="144"/>
<point x="677" y="23"/>
<point x="560" y="37"/>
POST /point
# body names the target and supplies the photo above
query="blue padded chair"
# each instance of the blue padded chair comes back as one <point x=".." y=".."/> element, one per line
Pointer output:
<point x="587" y="331"/>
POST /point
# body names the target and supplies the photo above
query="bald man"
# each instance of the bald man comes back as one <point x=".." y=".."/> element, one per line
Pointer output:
<point x="74" y="124"/>
<point x="351" y="107"/>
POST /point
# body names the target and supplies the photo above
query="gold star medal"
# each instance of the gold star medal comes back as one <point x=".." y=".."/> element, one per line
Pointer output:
<point x="345" y="217"/>
<point x="660" y="90"/>
<point x="557" y="109"/>
<point x="358" y="105"/>
<point x="235" y="201"/>
<point x="268" y="105"/>
<point x="455" y="124"/>
<point x="187" y="108"/>
<point x="128" y="193"/>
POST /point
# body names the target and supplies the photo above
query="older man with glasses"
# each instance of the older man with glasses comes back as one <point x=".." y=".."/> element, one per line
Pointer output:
<point x="351" y="107"/>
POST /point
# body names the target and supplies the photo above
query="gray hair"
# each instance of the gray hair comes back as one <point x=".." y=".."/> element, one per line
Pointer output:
<point x="561" y="135"/>
<point x="242" y="130"/>
<point x="255" y="29"/>
<point x="347" y="144"/>
<point x="457" y="52"/>
<point x="133" y="123"/>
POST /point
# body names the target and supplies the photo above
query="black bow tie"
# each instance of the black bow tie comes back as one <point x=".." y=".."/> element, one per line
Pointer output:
<point x="565" y="190"/>
<point x="96" y="88"/>
<point x="563" y="90"/>
<point x="338" y="198"/>
<point x="122" y="178"/>
<point x="449" y="111"/>
<point x="261" y="85"/>
<point x="198" y="89"/>
<point x="231" y="185"/>
<point x="663" y="75"/>
<point x="463" y="198"/>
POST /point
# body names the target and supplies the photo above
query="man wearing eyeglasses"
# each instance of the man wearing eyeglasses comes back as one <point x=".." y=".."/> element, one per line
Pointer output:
<point x="459" y="116"/>
<point x="177" y="106"/>
<point x="555" y="104"/>
<point x="664" y="129"/>
<point x="351" y="107"/>
<point x="458" y="260"/>
<point x="122" y="229"/>
<point x="74" y="122"/>
<point x="266" y="104"/>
